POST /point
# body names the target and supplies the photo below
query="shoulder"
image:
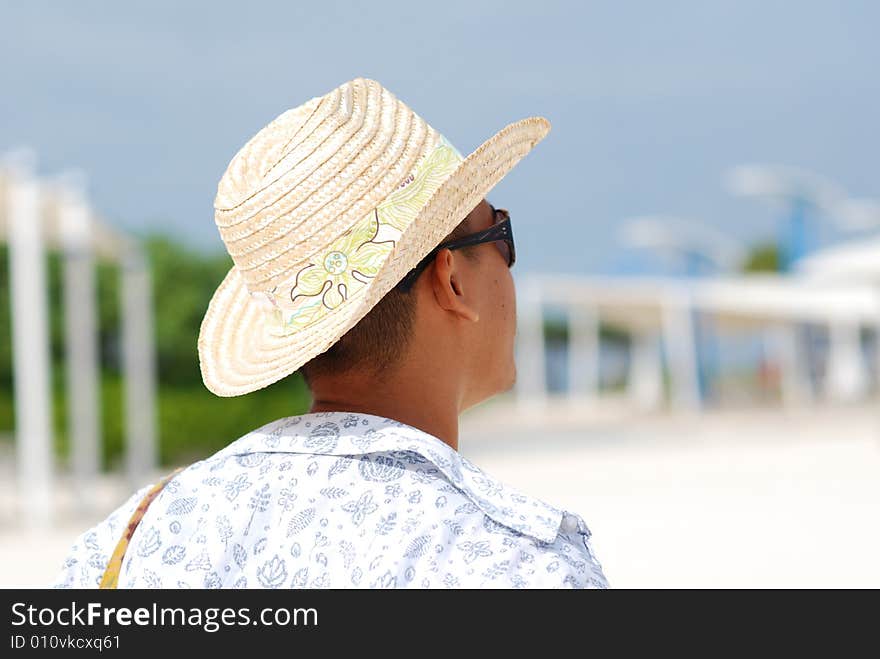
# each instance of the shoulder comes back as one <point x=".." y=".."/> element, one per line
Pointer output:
<point x="493" y="555"/>
<point x="87" y="558"/>
<point x="569" y="561"/>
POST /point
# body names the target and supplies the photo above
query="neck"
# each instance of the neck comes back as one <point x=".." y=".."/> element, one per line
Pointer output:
<point x="431" y="405"/>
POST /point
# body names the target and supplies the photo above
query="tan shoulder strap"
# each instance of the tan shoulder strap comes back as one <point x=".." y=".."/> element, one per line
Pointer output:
<point x="114" y="565"/>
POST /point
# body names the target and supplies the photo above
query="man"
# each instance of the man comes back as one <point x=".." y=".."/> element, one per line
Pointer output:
<point x="425" y="356"/>
<point x="396" y="333"/>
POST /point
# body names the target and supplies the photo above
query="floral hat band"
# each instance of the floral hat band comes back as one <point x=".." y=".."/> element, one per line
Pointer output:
<point x="340" y="272"/>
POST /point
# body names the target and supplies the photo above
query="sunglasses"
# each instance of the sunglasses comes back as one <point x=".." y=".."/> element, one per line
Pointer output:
<point x="500" y="233"/>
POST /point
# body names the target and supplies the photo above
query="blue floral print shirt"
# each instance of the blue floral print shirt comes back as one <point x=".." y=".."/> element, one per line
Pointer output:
<point x="339" y="500"/>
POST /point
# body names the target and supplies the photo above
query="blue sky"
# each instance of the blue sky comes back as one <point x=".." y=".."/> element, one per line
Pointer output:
<point x="650" y="102"/>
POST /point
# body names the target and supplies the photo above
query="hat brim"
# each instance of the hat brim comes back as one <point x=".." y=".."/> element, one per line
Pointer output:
<point x="236" y="354"/>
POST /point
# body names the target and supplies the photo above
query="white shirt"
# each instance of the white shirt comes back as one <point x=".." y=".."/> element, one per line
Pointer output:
<point x="339" y="500"/>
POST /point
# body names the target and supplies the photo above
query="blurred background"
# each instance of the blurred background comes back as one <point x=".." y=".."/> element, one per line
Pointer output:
<point x="698" y="270"/>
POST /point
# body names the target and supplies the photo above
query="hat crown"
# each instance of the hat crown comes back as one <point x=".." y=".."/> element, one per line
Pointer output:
<point x="249" y="170"/>
<point x="312" y="174"/>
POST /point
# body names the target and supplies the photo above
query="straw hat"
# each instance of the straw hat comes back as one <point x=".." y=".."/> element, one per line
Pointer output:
<point x="323" y="211"/>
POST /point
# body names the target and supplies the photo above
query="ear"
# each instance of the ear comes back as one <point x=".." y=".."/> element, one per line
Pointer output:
<point x="448" y="277"/>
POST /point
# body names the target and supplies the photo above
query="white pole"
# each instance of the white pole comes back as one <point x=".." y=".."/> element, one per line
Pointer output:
<point x="139" y="367"/>
<point x="788" y="350"/>
<point x="877" y="357"/>
<point x="30" y="349"/>
<point x="679" y="338"/>
<point x="645" y="386"/>
<point x="83" y="353"/>
<point x="531" y="378"/>
<point x="583" y="354"/>
<point x="847" y="379"/>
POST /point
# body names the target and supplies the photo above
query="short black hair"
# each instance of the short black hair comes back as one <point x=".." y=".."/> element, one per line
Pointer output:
<point x="376" y="343"/>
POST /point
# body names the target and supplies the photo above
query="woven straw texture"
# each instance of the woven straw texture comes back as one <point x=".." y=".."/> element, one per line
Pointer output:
<point x="323" y="211"/>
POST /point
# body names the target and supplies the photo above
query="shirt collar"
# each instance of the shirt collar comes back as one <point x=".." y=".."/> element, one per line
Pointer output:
<point x="358" y="433"/>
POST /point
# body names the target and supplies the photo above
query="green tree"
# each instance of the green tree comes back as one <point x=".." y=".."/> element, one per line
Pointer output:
<point x="763" y="257"/>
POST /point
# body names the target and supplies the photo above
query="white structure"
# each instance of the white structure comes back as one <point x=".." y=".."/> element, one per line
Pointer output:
<point x="30" y="341"/>
<point x="74" y="225"/>
<point x="851" y="262"/>
<point x="36" y="216"/>
<point x="855" y="263"/>
<point x="781" y="183"/>
<point x="684" y="239"/>
<point x="656" y="312"/>
<point x="138" y="364"/>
